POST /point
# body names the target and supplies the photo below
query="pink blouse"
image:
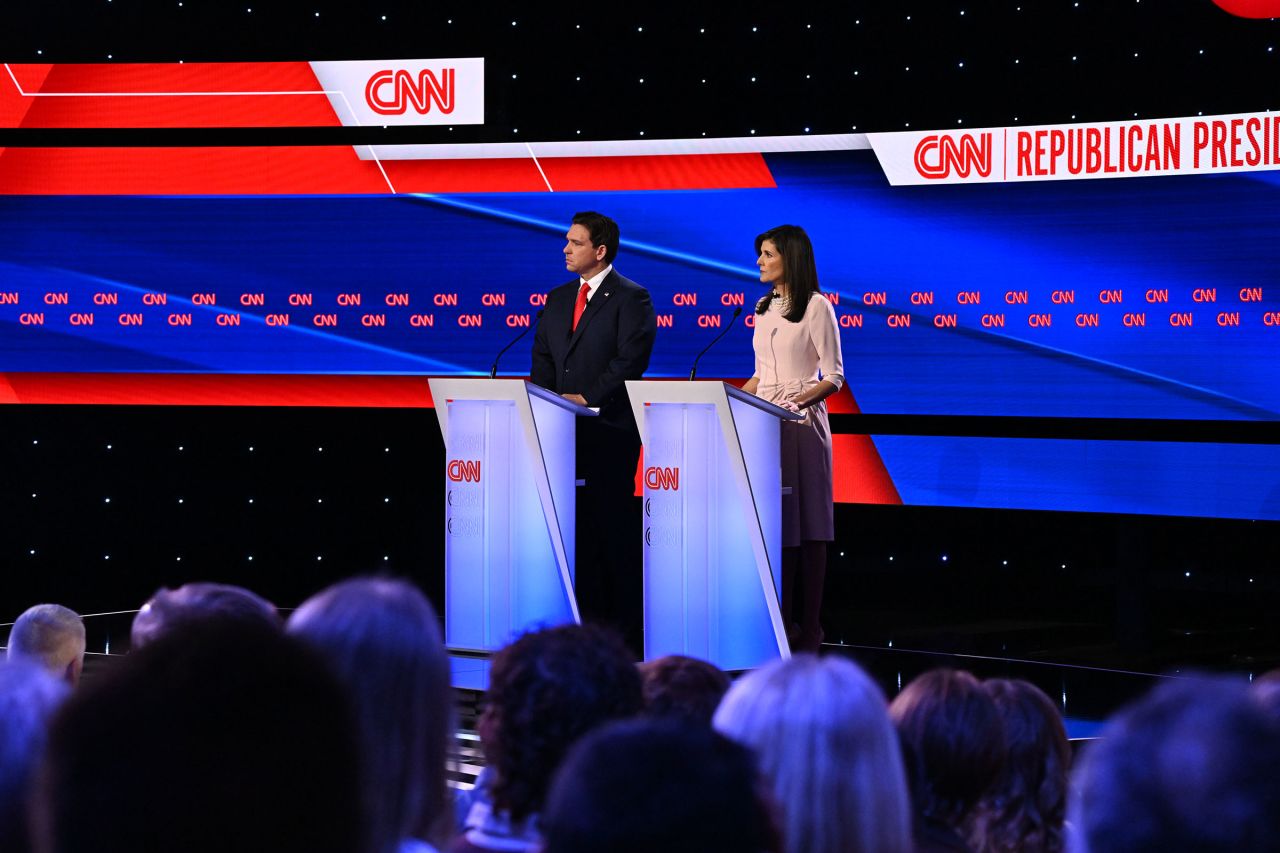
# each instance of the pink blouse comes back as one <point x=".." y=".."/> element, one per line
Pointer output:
<point x="793" y="357"/>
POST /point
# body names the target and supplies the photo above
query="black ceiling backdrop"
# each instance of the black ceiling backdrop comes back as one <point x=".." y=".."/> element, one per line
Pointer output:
<point x="677" y="71"/>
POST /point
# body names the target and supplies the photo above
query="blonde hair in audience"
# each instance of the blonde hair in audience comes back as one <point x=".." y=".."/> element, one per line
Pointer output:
<point x="821" y="733"/>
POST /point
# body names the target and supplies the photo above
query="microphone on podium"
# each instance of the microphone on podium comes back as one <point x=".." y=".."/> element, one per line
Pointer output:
<point x="693" y="373"/>
<point x="493" y="371"/>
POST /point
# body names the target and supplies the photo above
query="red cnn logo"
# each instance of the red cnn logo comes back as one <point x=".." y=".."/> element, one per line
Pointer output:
<point x="662" y="478"/>
<point x="460" y="470"/>
<point x="406" y="91"/>
<point x="937" y="155"/>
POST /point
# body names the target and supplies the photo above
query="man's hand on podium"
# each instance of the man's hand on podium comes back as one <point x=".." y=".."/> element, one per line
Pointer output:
<point x="575" y="398"/>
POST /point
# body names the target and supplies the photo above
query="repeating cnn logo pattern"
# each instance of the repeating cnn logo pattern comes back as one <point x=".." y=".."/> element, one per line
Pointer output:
<point x="406" y="92"/>
<point x="938" y="155"/>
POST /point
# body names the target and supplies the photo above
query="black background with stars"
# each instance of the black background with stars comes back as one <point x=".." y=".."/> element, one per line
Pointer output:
<point x="723" y="69"/>
<point x="103" y="504"/>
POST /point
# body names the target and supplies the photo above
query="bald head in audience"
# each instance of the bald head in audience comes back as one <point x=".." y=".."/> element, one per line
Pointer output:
<point x="52" y="636"/>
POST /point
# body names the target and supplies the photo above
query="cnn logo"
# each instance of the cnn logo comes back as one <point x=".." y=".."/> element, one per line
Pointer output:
<point x="938" y="155"/>
<point x="657" y="478"/>
<point x="405" y="91"/>
<point x="461" y="470"/>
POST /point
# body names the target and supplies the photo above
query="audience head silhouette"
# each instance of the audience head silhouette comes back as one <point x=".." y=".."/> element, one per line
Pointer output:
<point x="1190" y="766"/>
<point x="953" y="748"/>
<point x="200" y="602"/>
<point x="52" y="636"/>
<point x="215" y="737"/>
<point x="684" y="687"/>
<point x="828" y="752"/>
<point x="546" y="690"/>
<point x="382" y="639"/>
<point x="645" y="785"/>
<point x="1024" y="810"/>
<point x="28" y="697"/>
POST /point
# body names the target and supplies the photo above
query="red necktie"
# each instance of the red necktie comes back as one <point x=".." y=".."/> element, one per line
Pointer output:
<point x="581" y="304"/>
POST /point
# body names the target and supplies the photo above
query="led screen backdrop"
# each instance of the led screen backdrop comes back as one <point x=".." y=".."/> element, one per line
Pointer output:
<point x="1154" y="298"/>
<point x="1151" y="298"/>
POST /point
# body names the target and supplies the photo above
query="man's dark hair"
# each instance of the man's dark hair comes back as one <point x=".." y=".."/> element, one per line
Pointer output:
<point x="685" y="687"/>
<point x="215" y="737"/>
<point x="197" y="602"/>
<point x="1191" y="766"/>
<point x="640" y="786"/>
<point x="604" y="232"/>
<point x="952" y="744"/>
<point x="546" y="690"/>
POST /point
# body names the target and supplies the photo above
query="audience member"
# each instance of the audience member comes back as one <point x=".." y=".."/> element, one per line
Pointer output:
<point x="641" y="786"/>
<point x="1025" y="809"/>
<point x="1266" y="689"/>
<point x="1190" y="766"/>
<point x="953" y="748"/>
<point x="383" y="641"/>
<point x="217" y="737"/>
<point x="28" y="697"/>
<point x="52" y="636"/>
<point x="546" y="690"/>
<point x="192" y="602"/>
<point x="679" y="686"/>
<point x="820" y="729"/>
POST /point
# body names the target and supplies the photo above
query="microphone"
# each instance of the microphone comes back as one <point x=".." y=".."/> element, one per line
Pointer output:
<point x="493" y="371"/>
<point x="693" y="373"/>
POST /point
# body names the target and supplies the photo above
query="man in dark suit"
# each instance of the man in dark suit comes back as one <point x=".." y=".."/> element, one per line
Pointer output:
<point x="595" y="333"/>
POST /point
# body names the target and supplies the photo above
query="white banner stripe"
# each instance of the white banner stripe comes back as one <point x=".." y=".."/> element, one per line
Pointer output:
<point x="623" y="147"/>
<point x="1244" y="142"/>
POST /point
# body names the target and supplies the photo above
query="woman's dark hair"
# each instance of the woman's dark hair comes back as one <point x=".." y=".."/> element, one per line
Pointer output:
<point x="546" y="690"/>
<point x="682" y="687"/>
<point x="799" y="271"/>
<point x="1027" y="806"/>
<point x="952" y="744"/>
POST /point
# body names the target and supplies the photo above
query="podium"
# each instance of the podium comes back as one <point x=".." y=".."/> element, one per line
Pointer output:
<point x="509" y="509"/>
<point x="712" y="522"/>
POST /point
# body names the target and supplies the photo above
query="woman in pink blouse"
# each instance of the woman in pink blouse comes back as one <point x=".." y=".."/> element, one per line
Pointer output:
<point x="798" y="365"/>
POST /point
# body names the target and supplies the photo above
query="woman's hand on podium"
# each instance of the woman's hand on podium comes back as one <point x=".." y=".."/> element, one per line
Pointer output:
<point x="575" y="398"/>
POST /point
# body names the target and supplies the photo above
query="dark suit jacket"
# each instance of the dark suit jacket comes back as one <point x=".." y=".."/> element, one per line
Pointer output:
<point x="611" y="345"/>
